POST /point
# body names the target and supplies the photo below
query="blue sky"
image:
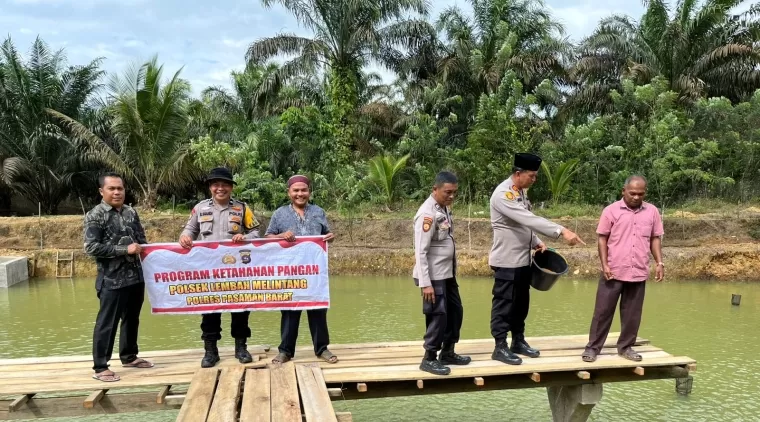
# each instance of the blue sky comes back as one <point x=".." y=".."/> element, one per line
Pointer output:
<point x="207" y="38"/>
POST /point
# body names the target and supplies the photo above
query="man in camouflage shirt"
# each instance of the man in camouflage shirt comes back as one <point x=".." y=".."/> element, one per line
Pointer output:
<point x="112" y="235"/>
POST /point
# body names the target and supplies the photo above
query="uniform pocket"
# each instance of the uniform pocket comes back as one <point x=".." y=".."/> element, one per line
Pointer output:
<point x="439" y="307"/>
<point x="206" y="222"/>
<point x="206" y="227"/>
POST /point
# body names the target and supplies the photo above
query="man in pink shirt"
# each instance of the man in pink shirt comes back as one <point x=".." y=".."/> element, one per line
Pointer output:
<point x="628" y="230"/>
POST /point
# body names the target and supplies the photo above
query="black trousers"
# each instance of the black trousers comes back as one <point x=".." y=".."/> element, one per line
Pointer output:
<point x="320" y="336"/>
<point x="443" y="319"/>
<point x="211" y="326"/>
<point x="631" y="295"/>
<point x="120" y="305"/>
<point x="511" y="301"/>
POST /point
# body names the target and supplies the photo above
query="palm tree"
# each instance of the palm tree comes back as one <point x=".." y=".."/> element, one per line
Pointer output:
<point x="517" y="35"/>
<point x="38" y="158"/>
<point x="149" y="123"/>
<point x="348" y="35"/>
<point x="701" y="52"/>
<point x="384" y="171"/>
<point x="559" y="182"/>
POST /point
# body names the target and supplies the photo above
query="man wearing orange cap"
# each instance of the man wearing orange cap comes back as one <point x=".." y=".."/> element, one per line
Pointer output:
<point x="301" y="219"/>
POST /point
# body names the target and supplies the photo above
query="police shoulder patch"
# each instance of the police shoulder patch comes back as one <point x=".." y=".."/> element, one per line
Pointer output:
<point x="427" y="222"/>
<point x="510" y="196"/>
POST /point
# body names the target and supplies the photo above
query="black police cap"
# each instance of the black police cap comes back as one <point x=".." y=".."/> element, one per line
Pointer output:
<point x="220" y="173"/>
<point x="527" y="161"/>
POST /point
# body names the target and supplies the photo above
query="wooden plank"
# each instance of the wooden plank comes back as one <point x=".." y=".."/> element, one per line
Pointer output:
<point x="284" y="391"/>
<point x="191" y="357"/>
<point x="335" y="392"/>
<point x="163" y="393"/>
<point x="316" y="401"/>
<point x="478" y="381"/>
<point x="225" y="403"/>
<point x="71" y="406"/>
<point x="536" y="377"/>
<point x="198" y="399"/>
<point x="94" y="398"/>
<point x="18" y="402"/>
<point x="420" y="384"/>
<point x="344" y="417"/>
<point x="691" y="367"/>
<point x="229" y="350"/>
<point x="490" y="368"/>
<point x="638" y="370"/>
<point x="175" y="400"/>
<point x="584" y="375"/>
<point x="504" y="382"/>
<point x="361" y="387"/>
<point x="256" y="398"/>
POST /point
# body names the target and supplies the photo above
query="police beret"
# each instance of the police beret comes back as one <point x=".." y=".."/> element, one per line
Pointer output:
<point x="527" y="161"/>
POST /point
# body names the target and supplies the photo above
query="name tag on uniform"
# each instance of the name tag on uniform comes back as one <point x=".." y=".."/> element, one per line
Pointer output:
<point x="235" y="219"/>
<point x="204" y="216"/>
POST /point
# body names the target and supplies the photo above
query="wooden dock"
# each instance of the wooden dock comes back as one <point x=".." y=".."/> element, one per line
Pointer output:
<point x="62" y="386"/>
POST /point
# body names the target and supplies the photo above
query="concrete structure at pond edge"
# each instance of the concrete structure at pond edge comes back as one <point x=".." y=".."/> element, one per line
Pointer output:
<point x="13" y="270"/>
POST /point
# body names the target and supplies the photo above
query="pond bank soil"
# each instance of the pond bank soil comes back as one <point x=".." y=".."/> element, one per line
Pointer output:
<point x="721" y="249"/>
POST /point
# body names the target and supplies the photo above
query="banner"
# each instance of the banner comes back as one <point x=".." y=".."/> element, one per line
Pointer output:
<point x="261" y="274"/>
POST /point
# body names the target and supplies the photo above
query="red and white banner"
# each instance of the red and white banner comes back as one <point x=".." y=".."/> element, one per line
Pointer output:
<point x="261" y="274"/>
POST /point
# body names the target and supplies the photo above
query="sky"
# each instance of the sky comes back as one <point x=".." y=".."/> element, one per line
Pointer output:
<point x="206" y="39"/>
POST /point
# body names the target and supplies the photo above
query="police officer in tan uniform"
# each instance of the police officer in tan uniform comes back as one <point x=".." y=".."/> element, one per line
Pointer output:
<point x="221" y="218"/>
<point x="514" y="237"/>
<point x="435" y="273"/>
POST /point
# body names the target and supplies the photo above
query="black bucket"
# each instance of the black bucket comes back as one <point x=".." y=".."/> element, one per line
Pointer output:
<point x="546" y="269"/>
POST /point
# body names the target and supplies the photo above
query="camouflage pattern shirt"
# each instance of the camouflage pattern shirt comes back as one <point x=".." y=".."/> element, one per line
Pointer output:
<point x="108" y="233"/>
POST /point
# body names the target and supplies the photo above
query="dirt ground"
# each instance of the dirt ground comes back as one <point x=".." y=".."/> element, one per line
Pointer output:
<point x="708" y="248"/>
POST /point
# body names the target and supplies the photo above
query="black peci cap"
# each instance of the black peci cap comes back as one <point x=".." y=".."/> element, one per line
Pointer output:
<point x="220" y="173"/>
<point x="527" y="161"/>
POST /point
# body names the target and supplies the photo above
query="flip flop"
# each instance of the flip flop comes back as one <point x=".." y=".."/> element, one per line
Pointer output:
<point x="138" y="363"/>
<point x="281" y="358"/>
<point x="328" y="357"/>
<point x="631" y="355"/>
<point x="588" y="356"/>
<point x="102" y="376"/>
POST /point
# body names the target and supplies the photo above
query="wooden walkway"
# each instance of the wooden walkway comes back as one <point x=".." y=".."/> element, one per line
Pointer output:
<point x="368" y="370"/>
<point x="283" y="393"/>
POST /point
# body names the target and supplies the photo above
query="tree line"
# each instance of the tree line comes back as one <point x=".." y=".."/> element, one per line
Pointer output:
<point x="672" y="95"/>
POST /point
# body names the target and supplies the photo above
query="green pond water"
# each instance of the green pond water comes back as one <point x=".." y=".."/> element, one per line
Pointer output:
<point x="696" y="319"/>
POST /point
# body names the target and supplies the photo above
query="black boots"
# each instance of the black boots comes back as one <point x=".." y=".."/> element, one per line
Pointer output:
<point x="241" y="351"/>
<point x="520" y="346"/>
<point x="431" y="364"/>
<point x="212" y="354"/>
<point x="448" y="357"/>
<point x="503" y="354"/>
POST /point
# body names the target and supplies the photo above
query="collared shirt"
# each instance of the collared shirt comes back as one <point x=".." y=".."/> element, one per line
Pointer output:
<point x="434" y="249"/>
<point x="630" y="234"/>
<point x="211" y="221"/>
<point x="285" y="218"/>
<point x="108" y="232"/>
<point x="514" y="227"/>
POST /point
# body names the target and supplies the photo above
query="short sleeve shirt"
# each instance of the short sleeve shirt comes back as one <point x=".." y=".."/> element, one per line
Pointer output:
<point x="313" y="222"/>
<point x="630" y="234"/>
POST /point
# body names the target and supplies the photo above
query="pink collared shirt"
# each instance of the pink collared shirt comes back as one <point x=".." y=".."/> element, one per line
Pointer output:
<point x="630" y="233"/>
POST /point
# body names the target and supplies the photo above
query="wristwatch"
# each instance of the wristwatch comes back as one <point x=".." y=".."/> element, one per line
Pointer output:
<point x="661" y="263"/>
